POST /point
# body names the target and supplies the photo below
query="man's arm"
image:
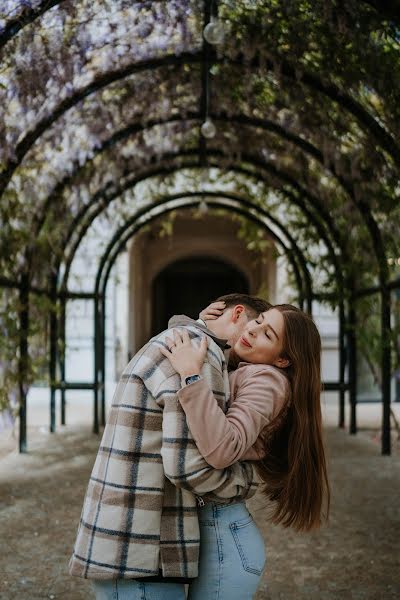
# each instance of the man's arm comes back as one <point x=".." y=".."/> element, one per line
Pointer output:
<point x="183" y="464"/>
<point x="185" y="467"/>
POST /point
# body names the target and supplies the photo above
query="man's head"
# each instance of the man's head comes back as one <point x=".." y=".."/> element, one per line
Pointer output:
<point x="239" y="309"/>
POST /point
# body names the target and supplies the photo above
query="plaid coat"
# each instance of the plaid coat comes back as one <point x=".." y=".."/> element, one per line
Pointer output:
<point x="139" y="516"/>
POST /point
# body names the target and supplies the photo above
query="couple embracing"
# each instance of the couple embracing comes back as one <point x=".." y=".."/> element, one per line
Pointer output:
<point x="186" y="443"/>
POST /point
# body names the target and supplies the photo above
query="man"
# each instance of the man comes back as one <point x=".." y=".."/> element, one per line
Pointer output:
<point x="139" y="529"/>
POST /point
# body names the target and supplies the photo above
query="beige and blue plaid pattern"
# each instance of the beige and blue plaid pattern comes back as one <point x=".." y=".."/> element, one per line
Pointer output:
<point x="140" y="513"/>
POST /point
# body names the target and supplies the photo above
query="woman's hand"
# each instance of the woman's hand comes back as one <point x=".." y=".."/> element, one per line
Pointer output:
<point x="213" y="311"/>
<point x="186" y="358"/>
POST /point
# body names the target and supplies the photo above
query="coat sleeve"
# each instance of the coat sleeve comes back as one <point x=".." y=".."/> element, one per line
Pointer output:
<point x="183" y="463"/>
<point x="225" y="438"/>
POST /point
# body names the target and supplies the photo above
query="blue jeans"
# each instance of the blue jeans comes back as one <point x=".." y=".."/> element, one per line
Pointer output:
<point x="232" y="554"/>
<point x="232" y="559"/>
<point x="129" y="589"/>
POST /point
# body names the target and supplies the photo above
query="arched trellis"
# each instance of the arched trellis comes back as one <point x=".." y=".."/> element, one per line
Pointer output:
<point x="305" y="289"/>
<point x="288" y="71"/>
<point x="273" y="170"/>
<point x="118" y="234"/>
<point x="267" y="125"/>
<point x="382" y="262"/>
<point x="133" y="225"/>
<point x="315" y="82"/>
<point x="33" y="136"/>
<point x="364" y="209"/>
<point x="307" y="148"/>
<point x="297" y="200"/>
<point x="333" y="93"/>
<point x="341" y="308"/>
<point x="100" y="203"/>
<point x="63" y="286"/>
<point x="263" y="124"/>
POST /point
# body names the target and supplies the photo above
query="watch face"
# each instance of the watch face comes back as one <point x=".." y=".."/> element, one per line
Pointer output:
<point x="192" y="379"/>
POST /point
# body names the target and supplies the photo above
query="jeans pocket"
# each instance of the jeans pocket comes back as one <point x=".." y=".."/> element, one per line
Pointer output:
<point x="250" y="545"/>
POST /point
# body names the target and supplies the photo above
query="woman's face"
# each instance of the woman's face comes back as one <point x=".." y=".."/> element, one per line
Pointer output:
<point x="262" y="340"/>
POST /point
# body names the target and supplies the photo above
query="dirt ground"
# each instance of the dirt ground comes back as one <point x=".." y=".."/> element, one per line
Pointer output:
<point x="356" y="557"/>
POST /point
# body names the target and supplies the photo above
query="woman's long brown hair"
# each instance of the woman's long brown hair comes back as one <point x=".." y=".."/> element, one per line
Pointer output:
<point x="294" y="467"/>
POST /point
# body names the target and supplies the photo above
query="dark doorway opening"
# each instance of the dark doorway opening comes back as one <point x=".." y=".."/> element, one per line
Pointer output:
<point x="187" y="286"/>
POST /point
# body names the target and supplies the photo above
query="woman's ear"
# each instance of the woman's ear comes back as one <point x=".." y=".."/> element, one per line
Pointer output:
<point x="236" y="312"/>
<point x="282" y="363"/>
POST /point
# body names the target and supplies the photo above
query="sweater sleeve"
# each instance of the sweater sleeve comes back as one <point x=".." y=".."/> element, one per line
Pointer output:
<point x="185" y="466"/>
<point x="182" y="461"/>
<point x="222" y="438"/>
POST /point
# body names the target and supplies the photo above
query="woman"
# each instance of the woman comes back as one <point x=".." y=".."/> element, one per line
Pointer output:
<point x="274" y="418"/>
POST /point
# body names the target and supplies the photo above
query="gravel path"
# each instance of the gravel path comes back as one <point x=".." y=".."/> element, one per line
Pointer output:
<point x="356" y="557"/>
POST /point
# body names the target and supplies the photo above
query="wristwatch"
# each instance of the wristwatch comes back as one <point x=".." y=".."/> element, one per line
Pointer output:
<point x="191" y="379"/>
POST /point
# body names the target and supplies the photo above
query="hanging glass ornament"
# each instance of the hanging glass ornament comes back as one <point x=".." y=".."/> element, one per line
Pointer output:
<point x="214" y="32"/>
<point x="208" y="129"/>
<point x="203" y="207"/>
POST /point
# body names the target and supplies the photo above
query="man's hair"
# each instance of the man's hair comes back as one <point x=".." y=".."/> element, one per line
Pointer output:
<point x="253" y="305"/>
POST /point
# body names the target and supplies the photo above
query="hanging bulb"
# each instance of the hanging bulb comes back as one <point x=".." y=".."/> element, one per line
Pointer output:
<point x="203" y="207"/>
<point x="214" y="32"/>
<point x="208" y="129"/>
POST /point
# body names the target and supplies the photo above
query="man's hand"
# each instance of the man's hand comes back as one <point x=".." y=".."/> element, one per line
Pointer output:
<point x="213" y="311"/>
<point x="186" y="358"/>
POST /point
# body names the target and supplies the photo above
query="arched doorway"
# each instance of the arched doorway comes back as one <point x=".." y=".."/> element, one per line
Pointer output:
<point x="186" y="286"/>
<point x="208" y="247"/>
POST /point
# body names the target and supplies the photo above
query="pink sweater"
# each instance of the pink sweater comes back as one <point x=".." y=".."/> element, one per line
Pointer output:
<point x="258" y="392"/>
